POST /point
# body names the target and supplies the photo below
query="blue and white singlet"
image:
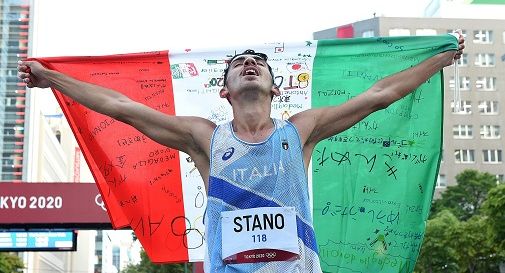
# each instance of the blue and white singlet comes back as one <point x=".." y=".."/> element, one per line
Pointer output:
<point x="250" y="175"/>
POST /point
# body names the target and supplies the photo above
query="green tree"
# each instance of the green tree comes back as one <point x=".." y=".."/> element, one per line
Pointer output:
<point x="146" y="266"/>
<point x="438" y="253"/>
<point x="465" y="199"/>
<point x="476" y="253"/>
<point x="494" y="209"/>
<point x="10" y="263"/>
<point x="475" y="242"/>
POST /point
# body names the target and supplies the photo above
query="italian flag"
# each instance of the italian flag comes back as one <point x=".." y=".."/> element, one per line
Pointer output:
<point x="372" y="185"/>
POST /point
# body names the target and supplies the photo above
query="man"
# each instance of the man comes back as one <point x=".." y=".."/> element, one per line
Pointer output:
<point x="228" y="155"/>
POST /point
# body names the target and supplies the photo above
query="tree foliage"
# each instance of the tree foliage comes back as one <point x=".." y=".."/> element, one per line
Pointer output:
<point x="436" y="254"/>
<point x="10" y="263"/>
<point x="494" y="208"/>
<point x="146" y="266"/>
<point x="466" y="232"/>
<point x="465" y="199"/>
<point x="476" y="253"/>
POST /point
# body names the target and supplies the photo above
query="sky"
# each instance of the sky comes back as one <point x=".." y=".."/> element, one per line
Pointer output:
<point x="103" y="27"/>
<point x="97" y="27"/>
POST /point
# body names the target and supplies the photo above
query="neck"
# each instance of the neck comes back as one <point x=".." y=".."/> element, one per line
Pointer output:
<point x="251" y="121"/>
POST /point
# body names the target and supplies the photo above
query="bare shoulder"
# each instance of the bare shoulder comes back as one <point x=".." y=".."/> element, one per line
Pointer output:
<point x="201" y="127"/>
<point x="201" y="132"/>
<point x="305" y="122"/>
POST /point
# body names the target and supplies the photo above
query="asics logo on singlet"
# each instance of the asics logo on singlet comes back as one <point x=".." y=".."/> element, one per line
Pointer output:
<point x="227" y="155"/>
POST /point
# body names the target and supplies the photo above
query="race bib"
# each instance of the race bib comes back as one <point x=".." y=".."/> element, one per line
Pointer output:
<point x="259" y="235"/>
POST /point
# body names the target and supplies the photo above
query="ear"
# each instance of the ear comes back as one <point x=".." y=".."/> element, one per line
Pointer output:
<point x="224" y="93"/>
<point x="275" y="90"/>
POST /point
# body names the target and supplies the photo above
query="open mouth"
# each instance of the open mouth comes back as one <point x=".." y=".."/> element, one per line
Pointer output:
<point x="250" y="71"/>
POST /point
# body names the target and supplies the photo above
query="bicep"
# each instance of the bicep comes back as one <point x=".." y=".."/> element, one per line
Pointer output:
<point x="315" y="125"/>
<point x="179" y="132"/>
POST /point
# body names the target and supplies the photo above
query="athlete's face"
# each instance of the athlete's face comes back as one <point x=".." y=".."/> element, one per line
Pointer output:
<point x="248" y="73"/>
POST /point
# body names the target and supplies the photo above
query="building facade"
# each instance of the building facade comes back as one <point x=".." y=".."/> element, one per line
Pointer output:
<point x="475" y="9"/>
<point x="473" y="136"/>
<point x="14" y="28"/>
<point x="40" y="148"/>
<point x="115" y="250"/>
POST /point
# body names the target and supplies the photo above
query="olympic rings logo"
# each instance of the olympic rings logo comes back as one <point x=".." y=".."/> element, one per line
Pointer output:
<point x="270" y="255"/>
<point x="99" y="202"/>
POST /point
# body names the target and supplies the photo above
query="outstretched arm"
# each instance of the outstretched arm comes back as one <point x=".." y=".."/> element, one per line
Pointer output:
<point x="315" y="125"/>
<point x="187" y="134"/>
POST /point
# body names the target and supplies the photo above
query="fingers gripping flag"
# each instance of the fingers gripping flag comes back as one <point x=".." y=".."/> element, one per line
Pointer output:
<point x="372" y="184"/>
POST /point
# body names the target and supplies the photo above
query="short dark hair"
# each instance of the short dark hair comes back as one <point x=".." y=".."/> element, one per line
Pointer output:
<point x="263" y="56"/>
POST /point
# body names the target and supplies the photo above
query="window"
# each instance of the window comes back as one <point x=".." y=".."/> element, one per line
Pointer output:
<point x="484" y="59"/>
<point x="464" y="156"/>
<point x="399" y="32"/>
<point x="492" y="156"/>
<point x="482" y="36"/>
<point x="10" y="101"/>
<point x="441" y="181"/>
<point x="8" y="132"/>
<point x="500" y="178"/>
<point x="463" y="61"/>
<point x="464" y="83"/>
<point x="7" y="162"/>
<point x="12" y="43"/>
<point x="487" y="107"/>
<point x="462" y="131"/>
<point x="463" y="32"/>
<point x="18" y="130"/>
<point x="489" y="131"/>
<point x="9" y="177"/>
<point x="12" y="16"/>
<point x="12" y="72"/>
<point x="116" y="252"/>
<point x="465" y="108"/>
<point x="368" y="33"/>
<point x="425" y="32"/>
<point x="485" y="83"/>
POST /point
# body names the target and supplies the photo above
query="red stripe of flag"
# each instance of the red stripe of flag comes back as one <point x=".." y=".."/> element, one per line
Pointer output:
<point x="139" y="179"/>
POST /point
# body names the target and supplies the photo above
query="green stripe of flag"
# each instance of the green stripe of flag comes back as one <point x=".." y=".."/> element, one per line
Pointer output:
<point x="373" y="183"/>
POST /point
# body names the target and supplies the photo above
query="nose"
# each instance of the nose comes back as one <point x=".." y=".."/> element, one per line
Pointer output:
<point x="249" y="61"/>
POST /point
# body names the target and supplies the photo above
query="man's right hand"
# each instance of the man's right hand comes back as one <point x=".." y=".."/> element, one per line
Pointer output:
<point x="31" y="73"/>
